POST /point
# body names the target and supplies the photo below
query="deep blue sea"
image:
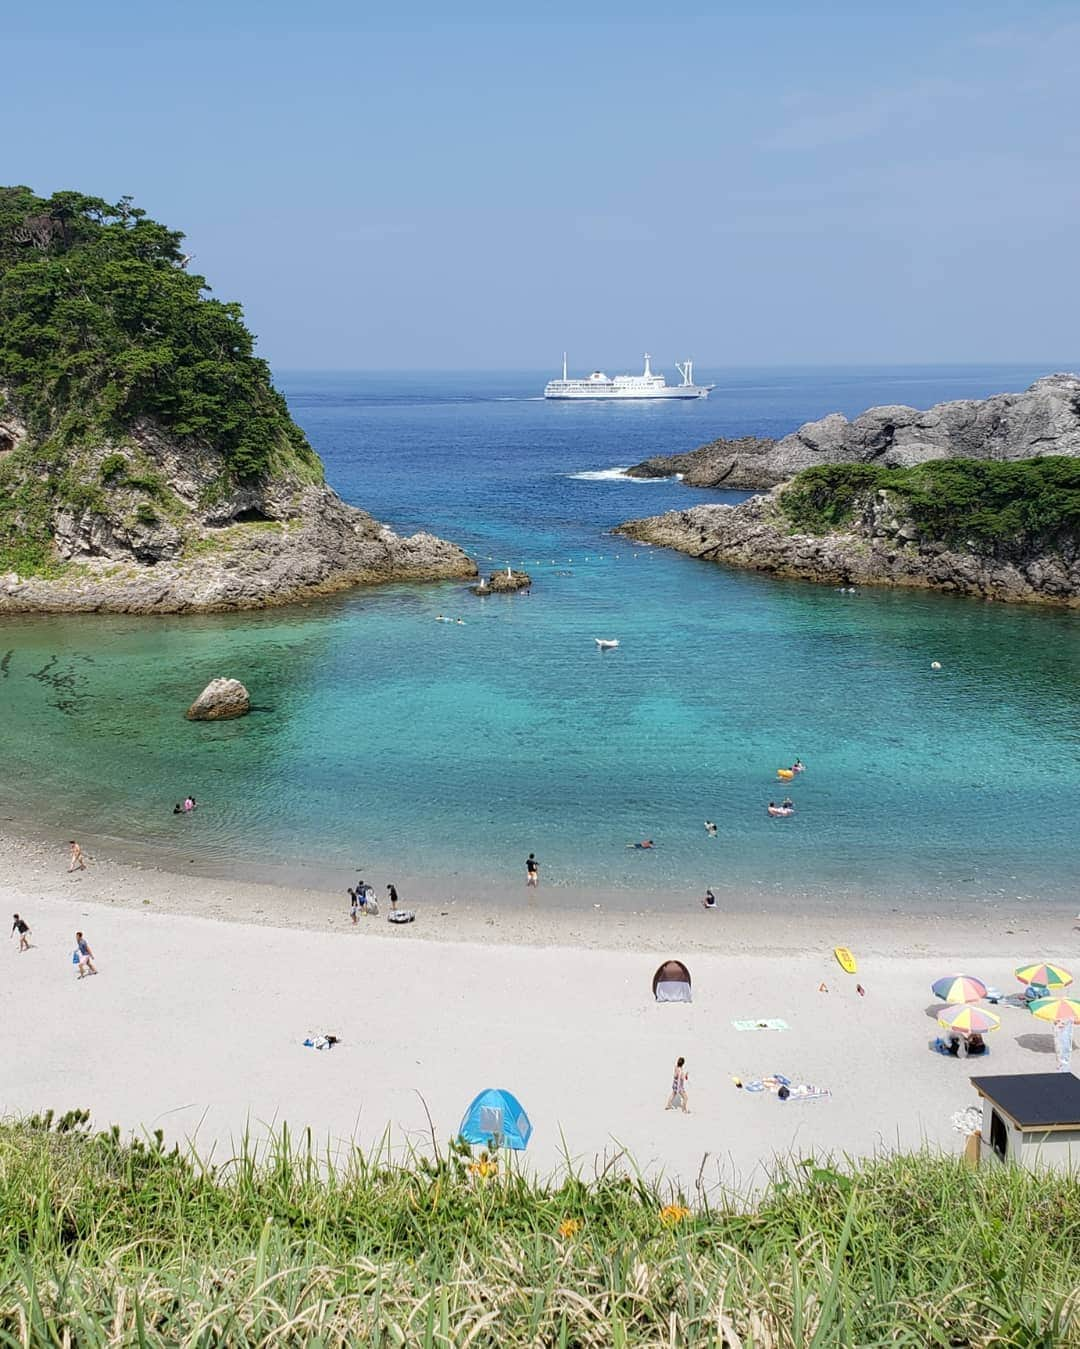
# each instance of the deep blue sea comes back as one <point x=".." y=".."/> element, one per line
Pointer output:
<point x="444" y="753"/>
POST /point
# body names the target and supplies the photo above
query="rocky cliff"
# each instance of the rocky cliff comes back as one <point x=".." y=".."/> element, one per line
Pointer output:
<point x="147" y="463"/>
<point x="1045" y="420"/>
<point x="142" y="524"/>
<point x="882" y="537"/>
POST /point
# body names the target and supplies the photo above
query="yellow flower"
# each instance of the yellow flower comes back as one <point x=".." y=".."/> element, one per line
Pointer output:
<point x="484" y="1166"/>
<point x="671" y="1214"/>
<point x="569" y="1227"/>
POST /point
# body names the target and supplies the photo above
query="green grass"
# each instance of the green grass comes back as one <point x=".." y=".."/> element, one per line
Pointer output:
<point x="970" y="503"/>
<point x="107" y="1242"/>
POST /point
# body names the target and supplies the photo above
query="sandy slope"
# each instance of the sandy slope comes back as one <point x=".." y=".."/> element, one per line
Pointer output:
<point x="195" y="1026"/>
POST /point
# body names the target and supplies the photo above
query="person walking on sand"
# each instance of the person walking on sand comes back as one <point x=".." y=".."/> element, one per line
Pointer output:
<point x="78" y="862"/>
<point x="679" y="1083"/>
<point x="23" y="929"/>
<point x="532" y="871"/>
<point x="354" y="904"/>
<point x="85" y="955"/>
<point x="391" y="891"/>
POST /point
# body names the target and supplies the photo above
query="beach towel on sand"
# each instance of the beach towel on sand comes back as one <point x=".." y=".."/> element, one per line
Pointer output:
<point x="771" y="1023"/>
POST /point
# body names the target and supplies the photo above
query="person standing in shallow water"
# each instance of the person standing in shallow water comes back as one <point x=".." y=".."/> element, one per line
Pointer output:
<point x="78" y="862"/>
<point x="532" y="871"/>
<point x="679" y="1084"/>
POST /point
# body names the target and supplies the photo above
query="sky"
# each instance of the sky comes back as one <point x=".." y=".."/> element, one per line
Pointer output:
<point x="482" y="185"/>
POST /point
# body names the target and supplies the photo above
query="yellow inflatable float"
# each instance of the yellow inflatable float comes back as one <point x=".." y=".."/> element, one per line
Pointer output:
<point x="785" y="774"/>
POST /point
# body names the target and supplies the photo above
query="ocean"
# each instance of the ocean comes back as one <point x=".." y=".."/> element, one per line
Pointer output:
<point x="443" y="753"/>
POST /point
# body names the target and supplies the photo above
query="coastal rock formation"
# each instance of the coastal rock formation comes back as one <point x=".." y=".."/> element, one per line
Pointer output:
<point x="147" y="463"/>
<point x="159" y="528"/>
<point x="219" y="701"/>
<point x="503" y="583"/>
<point x="879" y="545"/>
<point x="1045" y="420"/>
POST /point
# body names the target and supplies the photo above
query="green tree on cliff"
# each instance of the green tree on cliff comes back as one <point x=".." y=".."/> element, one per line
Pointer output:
<point x="101" y="324"/>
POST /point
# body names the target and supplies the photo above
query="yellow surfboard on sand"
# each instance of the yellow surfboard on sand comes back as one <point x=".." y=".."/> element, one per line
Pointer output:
<point x="846" y="959"/>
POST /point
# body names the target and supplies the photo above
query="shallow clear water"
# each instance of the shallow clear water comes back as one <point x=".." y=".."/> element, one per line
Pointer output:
<point x="435" y="750"/>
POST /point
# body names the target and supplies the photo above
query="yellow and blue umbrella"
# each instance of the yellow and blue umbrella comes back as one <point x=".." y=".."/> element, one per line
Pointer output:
<point x="968" y="1020"/>
<point x="1048" y="976"/>
<point x="1056" y="1009"/>
<point x="959" y="988"/>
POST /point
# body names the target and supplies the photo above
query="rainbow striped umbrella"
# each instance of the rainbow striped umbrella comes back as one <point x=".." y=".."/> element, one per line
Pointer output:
<point x="968" y="1019"/>
<point x="1049" y="976"/>
<point x="959" y="988"/>
<point x="1056" y="1009"/>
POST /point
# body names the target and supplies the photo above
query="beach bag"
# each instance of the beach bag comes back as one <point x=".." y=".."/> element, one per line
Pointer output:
<point x="74" y="957"/>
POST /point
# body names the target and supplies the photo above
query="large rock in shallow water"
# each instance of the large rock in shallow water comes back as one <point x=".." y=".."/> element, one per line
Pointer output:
<point x="221" y="699"/>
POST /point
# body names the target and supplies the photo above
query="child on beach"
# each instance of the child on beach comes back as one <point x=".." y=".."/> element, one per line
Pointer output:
<point x="532" y="871"/>
<point x="78" y="862"/>
<point x="354" y="904"/>
<point x="680" y="1079"/>
<point x="22" y="928"/>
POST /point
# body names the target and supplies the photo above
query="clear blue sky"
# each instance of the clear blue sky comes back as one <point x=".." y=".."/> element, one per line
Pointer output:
<point x="478" y="185"/>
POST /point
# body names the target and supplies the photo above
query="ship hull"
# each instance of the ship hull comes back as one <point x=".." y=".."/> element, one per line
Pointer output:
<point x="618" y="396"/>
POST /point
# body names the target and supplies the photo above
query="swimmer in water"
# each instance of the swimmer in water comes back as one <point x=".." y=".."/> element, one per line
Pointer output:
<point x="797" y="766"/>
<point x="648" y="843"/>
<point x="710" y="828"/>
<point x="709" y="902"/>
<point x="787" y="803"/>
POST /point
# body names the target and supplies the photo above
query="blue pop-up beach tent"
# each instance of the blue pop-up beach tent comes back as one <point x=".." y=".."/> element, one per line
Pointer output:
<point x="497" y="1118"/>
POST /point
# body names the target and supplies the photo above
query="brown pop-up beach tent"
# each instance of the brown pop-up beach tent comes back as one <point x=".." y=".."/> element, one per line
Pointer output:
<point x="671" y="982"/>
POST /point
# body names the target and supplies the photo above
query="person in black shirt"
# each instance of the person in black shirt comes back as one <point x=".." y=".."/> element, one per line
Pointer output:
<point x="23" y="930"/>
<point x="532" y="870"/>
<point x="391" y="891"/>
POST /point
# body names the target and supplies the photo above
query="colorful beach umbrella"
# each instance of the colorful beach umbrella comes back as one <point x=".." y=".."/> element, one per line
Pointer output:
<point x="959" y="988"/>
<point x="1056" y="1009"/>
<point x="969" y="1020"/>
<point x="1049" y="976"/>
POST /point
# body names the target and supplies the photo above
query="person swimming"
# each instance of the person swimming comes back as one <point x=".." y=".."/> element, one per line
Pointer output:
<point x="710" y="828"/>
<point x="709" y="902"/>
<point x="178" y="809"/>
<point x="787" y="804"/>
<point x="798" y="766"/>
<point x="646" y="843"/>
<point x="189" y="802"/>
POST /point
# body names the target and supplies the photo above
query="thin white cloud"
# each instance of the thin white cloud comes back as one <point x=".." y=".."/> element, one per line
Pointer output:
<point x="838" y="121"/>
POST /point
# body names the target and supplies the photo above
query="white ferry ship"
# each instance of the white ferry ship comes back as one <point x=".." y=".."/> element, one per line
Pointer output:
<point x="645" y="385"/>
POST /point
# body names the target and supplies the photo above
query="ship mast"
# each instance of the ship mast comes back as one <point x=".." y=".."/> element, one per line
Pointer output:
<point x="564" y="365"/>
<point x="647" y="373"/>
<point x="686" y="370"/>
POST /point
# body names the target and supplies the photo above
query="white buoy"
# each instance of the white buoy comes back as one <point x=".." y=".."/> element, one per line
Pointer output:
<point x="935" y="665"/>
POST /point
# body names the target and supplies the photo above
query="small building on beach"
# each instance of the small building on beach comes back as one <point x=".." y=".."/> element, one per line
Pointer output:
<point x="1030" y="1119"/>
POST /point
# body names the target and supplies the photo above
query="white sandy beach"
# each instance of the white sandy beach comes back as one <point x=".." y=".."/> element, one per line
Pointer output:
<point x="194" y="1025"/>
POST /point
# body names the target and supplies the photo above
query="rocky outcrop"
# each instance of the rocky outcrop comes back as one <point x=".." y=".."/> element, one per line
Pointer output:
<point x="503" y="583"/>
<point x="880" y="547"/>
<point x="153" y="526"/>
<point x="221" y="700"/>
<point x="1042" y="421"/>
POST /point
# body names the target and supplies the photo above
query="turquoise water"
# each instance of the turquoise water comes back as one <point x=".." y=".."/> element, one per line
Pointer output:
<point x="445" y="753"/>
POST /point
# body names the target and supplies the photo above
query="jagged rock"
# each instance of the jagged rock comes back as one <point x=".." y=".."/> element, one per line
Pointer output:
<point x="877" y="548"/>
<point x="220" y="700"/>
<point x="503" y="583"/>
<point x="199" y="542"/>
<point x="1044" y="420"/>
